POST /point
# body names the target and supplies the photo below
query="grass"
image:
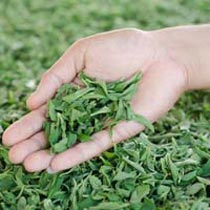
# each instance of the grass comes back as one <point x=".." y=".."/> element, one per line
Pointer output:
<point x="166" y="170"/>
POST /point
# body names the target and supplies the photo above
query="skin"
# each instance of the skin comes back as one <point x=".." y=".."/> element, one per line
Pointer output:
<point x="171" y="60"/>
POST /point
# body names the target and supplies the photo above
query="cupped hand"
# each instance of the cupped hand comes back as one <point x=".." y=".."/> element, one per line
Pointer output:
<point x="106" y="56"/>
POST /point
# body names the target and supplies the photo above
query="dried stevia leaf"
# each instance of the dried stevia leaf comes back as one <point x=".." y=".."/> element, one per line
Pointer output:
<point x="121" y="175"/>
<point x="6" y="181"/>
<point x="120" y="110"/>
<point x="174" y="170"/>
<point x="72" y="138"/>
<point x="103" y="110"/>
<point x="142" y="120"/>
<point x="70" y="98"/>
<point x="60" y="146"/>
<point x="95" y="182"/>
<point x="84" y="137"/>
<point x="139" y="193"/>
<point x="51" y="111"/>
<point x="21" y="203"/>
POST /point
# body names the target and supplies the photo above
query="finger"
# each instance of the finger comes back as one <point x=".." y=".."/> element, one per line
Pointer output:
<point x="25" y="127"/>
<point x="156" y="95"/>
<point x="37" y="161"/>
<point x="63" y="71"/>
<point x="21" y="150"/>
<point x="100" y="142"/>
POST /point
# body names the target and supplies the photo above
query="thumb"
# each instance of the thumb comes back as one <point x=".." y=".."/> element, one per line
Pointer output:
<point x="63" y="71"/>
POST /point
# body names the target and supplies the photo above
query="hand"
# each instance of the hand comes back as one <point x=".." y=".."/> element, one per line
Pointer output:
<point x="108" y="56"/>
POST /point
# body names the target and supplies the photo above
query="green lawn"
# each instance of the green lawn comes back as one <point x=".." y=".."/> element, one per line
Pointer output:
<point x="166" y="170"/>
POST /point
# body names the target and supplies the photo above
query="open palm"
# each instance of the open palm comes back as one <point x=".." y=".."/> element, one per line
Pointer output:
<point x="107" y="56"/>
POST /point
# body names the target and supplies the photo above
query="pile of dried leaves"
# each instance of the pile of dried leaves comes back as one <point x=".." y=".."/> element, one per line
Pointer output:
<point x="76" y="113"/>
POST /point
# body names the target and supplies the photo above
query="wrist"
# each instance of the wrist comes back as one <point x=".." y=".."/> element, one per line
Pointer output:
<point x="189" y="47"/>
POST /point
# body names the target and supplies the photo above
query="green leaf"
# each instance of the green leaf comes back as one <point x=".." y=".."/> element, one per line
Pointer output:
<point x="203" y="180"/>
<point x="163" y="191"/>
<point x="103" y="110"/>
<point x="120" y="176"/>
<point x="61" y="145"/>
<point x="70" y="98"/>
<point x="109" y="205"/>
<point x="6" y="181"/>
<point x="143" y="121"/>
<point x="139" y="193"/>
<point x="174" y="170"/>
<point x="148" y="205"/>
<point x="72" y="137"/>
<point x="21" y="204"/>
<point x="195" y="188"/>
<point x="48" y="204"/>
<point x="95" y="182"/>
<point x="120" y="110"/>
<point x="84" y="137"/>
<point x="51" y="111"/>
<point x="205" y="170"/>
<point x="55" y="133"/>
